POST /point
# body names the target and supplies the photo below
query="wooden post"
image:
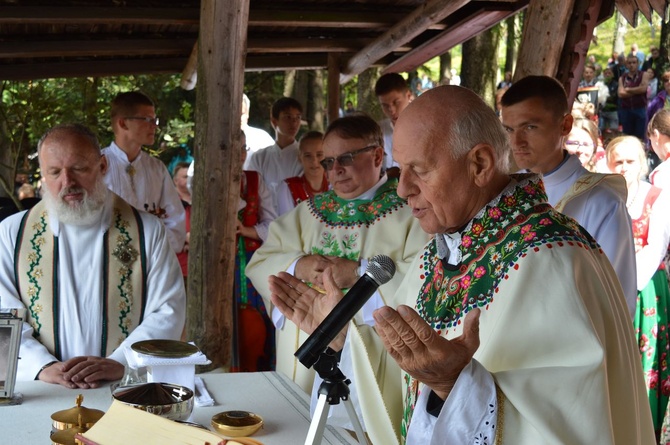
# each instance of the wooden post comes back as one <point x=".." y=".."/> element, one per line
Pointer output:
<point x="333" y="86"/>
<point x="577" y="41"/>
<point x="543" y="37"/>
<point x="216" y="184"/>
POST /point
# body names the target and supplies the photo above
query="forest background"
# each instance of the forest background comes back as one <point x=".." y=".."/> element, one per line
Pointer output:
<point x="29" y="108"/>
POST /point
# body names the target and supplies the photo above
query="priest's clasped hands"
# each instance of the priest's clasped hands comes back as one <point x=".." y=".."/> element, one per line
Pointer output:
<point x="82" y="372"/>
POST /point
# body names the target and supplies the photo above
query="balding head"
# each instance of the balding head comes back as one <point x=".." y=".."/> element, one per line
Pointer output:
<point x="456" y="119"/>
<point x="452" y="152"/>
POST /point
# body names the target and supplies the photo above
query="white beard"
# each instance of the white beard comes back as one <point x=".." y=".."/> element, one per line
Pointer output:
<point x="82" y="213"/>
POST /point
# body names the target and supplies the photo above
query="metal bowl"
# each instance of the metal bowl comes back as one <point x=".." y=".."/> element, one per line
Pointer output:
<point x="173" y="402"/>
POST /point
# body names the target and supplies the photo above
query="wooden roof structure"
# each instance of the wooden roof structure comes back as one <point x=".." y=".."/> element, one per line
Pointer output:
<point x="79" y="38"/>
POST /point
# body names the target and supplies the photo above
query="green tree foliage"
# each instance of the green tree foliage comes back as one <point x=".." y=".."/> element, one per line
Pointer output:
<point x="30" y="108"/>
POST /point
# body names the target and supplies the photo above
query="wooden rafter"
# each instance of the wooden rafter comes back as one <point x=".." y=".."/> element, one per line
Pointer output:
<point x="473" y="24"/>
<point x="433" y="11"/>
<point x="79" y="48"/>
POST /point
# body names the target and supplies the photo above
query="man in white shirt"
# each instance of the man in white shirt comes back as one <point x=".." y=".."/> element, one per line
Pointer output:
<point x="394" y="95"/>
<point x="138" y="178"/>
<point x="94" y="274"/>
<point x="280" y="161"/>
<point x="536" y="116"/>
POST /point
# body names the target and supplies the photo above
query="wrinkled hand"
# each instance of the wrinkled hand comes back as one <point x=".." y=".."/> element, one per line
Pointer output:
<point x="421" y="352"/>
<point x="303" y="305"/>
<point x="82" y="372"/>
<point x="345" y="272"/>
<point x="310" y="268"/>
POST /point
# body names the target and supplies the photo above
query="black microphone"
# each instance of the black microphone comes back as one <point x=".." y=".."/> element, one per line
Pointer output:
<point x="380" y="270"/>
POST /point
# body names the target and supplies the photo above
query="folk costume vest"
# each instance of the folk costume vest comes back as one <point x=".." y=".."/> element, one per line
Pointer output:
<point x="123" y="276"/>
<point x="300" y="189"/>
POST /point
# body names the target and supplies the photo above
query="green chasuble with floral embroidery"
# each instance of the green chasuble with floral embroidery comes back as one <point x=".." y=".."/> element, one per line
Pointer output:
<point x="546" y="328"/>
<point x="329" y="225"/>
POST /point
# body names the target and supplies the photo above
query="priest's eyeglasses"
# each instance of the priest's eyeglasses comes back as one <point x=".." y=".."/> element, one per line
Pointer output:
<point x="345" y="159"/>
<point x="149" y="120"/>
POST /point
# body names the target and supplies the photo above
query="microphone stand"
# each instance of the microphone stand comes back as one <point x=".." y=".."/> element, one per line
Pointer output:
<point x="333" y="389"/>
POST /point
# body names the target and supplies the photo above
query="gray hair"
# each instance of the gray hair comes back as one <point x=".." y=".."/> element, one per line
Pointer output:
<point x="476" y="125"/>
<point x="77" y="129"/>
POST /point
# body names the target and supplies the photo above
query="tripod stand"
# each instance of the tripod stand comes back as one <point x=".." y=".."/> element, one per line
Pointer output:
<point x="335" y="387"/>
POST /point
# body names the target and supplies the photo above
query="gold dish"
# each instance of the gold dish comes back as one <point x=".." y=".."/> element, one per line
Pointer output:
<point x="69" y="418"/>
<point x="237" y="423"/>
<point x="165" y="348"/>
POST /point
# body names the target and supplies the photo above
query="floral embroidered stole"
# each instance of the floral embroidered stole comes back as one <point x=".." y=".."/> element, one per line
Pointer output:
<point x="123" y="276"/>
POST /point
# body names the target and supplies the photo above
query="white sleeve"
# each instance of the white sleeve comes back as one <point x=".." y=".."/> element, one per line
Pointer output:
<point x="658" y="238"/>
<point x="468" y="416"/>
<point x="284" y="199"/>
<point x="175" y="221"/>
<point x="267" y="210"/>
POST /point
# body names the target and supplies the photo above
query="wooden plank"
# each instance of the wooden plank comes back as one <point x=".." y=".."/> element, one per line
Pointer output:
<point x="216" y="184"/>
<point x="576" y="46"/>
<point x="645" y="8"/>
<point x="83" y="48"/>
<point x="333" y="86"/>
<point x="431" y="12"/>
<point x="543" y="37"/>
<point x="60" y="15"/>
<point x="462" y="31"/>
<point x="286" y="62"/>
<point x="324" y="19"/>
<point x="303" y="45"/>
<point x="659" y="6"/>
<point x="92" y="68"/>
<point x="628" y="9"/>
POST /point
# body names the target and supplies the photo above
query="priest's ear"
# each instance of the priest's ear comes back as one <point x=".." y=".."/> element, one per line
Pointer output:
<point x="482" y="164"/>
<point x="103" y="164"/>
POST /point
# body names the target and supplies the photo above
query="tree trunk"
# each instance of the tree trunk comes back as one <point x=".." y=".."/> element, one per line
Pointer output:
<point x="367" y="101"/>
<point x="301" y="92"/>
<point x="665" y="38"/>
<point x="620" y="33"/>
<point x="479" y="66"/>
<point x="445" y="69"/>
<point x="289" y="83"/>
<point x="511" y="42"/>
<point x="317" y="101"/>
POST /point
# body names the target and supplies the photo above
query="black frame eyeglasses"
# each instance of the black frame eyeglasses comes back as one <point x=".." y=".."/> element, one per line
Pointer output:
<point x="345" y="159"/>
<point x="150" y="120"/>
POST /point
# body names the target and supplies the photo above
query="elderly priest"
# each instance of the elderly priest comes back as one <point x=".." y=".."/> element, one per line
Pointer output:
<point x="93" y="274"/>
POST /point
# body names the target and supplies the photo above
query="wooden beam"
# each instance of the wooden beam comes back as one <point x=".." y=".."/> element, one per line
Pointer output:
<point x="303" y="45"/>
<point x="216" y="184"/>
<point x="92" y="68"/>
<point x="578" y="37"/>
<point x="287" y="62"/>
<point x="470" y="26"/>
<point x="543" y="37"/>
<point x="98" y="48"/>
<point x="429" y="13"/>
<point x="324" y="19"/>
<point x="628" y="9"/>
<point x="333" y="87"/>
<point x="58" y="15"/>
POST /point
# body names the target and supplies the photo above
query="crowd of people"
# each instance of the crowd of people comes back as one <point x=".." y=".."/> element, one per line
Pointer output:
<point x="530" y="303"/>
